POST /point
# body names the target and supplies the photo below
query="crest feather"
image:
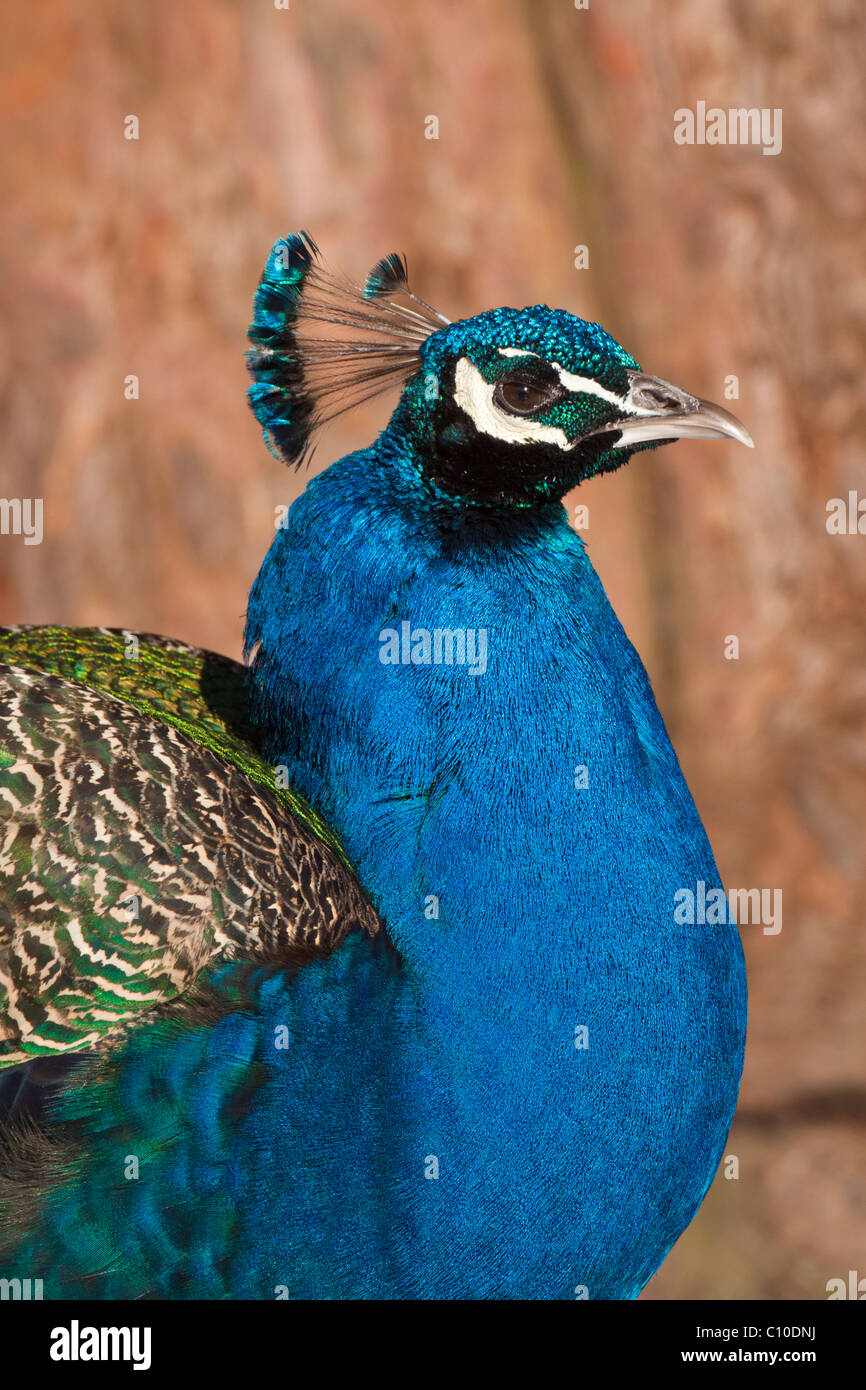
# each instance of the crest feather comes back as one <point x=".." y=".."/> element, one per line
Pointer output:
<point x="388" y="276"/>
<point x="304" y="374"/>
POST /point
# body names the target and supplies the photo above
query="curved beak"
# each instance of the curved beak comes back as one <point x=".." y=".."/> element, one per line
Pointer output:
<point x="655" y="411"/>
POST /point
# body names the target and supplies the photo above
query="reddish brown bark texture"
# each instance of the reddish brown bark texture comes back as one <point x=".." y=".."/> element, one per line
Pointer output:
<point x="555" y="129"/>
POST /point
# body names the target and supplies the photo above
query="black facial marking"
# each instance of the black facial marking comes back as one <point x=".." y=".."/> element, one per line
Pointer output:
<point x="492" y="472"/>
<point x="499" y="474"/>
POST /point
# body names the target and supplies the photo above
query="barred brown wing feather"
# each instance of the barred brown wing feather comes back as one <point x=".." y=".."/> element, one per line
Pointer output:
<point x="130" y="858"/>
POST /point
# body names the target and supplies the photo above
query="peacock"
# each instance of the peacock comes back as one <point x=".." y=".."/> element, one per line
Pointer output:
<point x="354" y="971"/>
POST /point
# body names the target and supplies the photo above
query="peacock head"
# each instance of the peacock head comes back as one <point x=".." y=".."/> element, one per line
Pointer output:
<point x="509" y="409"/>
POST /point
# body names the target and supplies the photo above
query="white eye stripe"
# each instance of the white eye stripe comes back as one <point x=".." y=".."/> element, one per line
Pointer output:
<point x="475" y="395"/>
<point x="571" y="382"/>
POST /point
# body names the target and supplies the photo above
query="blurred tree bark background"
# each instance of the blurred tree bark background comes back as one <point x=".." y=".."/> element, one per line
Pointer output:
<point x="555" y="130"/>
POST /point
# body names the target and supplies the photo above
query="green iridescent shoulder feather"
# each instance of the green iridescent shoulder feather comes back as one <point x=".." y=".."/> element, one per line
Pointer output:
<point x="198" y="692"/>
<point x="142" y="838"/>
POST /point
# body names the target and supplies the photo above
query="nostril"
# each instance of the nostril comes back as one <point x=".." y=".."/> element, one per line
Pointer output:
<point x="652" y="393"/>
<point x="659" y="399"/>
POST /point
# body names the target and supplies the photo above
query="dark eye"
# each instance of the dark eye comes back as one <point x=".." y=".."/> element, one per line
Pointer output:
<point x="521" y="397"/>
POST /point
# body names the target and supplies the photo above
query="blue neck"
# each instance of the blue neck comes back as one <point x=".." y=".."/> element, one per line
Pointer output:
<point x="402" y="758"/>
